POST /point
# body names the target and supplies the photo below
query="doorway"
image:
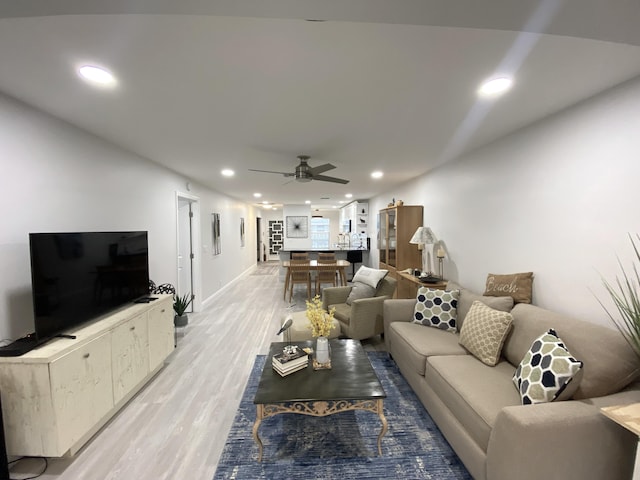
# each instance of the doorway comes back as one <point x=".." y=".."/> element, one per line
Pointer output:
<point x="260" y="246"/>
<point x="188" y="261"/>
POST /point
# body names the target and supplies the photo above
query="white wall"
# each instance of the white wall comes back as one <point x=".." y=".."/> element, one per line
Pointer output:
<point x="56" y="177"/>
<point x="557" y="198"/>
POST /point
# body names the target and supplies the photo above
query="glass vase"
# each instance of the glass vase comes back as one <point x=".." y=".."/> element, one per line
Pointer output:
<point x="322" y="354"/>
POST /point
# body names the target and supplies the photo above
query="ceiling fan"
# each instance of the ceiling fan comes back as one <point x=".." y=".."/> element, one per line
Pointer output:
<point x="305" y="173"/>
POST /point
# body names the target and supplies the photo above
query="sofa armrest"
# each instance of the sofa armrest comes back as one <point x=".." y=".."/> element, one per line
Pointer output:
<point x="334" y="295"/>
<point x="365" y="320"/>
<point x="570" y="439"/>
<point x="397" y="310"/>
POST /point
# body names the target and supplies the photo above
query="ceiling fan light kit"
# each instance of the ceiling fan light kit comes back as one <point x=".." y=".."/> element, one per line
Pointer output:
<point x="305" y="173"/>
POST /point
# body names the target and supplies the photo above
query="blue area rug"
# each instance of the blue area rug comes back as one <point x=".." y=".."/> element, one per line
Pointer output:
<point x="344" y="445"/>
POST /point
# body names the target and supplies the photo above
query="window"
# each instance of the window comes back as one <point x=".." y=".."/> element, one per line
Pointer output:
<point x="320" y="233"/>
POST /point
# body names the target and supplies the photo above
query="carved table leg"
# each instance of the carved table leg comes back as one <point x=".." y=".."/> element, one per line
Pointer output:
<point x="256" y="437"/>
<point x="384" y="426"/>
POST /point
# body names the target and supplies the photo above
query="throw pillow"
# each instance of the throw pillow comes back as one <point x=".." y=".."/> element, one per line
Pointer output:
<point x="484" y="331"/>
<point x="370" y="276"/>
<point x="548" y="371"/>
<point x="516" y="285"/>
<point x="360" y="290"/>
<point x="436" y="308"/>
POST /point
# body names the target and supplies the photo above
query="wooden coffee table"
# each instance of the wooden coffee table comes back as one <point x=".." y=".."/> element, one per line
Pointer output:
<point x="351" y="384"/>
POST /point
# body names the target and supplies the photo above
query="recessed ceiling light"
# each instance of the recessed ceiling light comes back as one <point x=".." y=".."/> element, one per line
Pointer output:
<point x="265" y="202"/>
<point x="97" y="75"/>
<point x="257" y="195"/>
<point x="348" y="195"/>
<point x="340" y="201"/>
<point x="376" y="174"/>
<point x="308" y="202"/>
<point x="495" y="87"/>
<point x="334" y="206"/>
<point x="267" y="207"/>
<point x="227" y="172"/>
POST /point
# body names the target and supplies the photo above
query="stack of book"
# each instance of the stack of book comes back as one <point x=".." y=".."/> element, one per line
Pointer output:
<point x="286" y="363"/>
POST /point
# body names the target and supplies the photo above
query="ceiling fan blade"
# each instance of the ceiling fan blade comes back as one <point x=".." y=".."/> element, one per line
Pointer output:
<point x="324" y="178"/>
<point x="322" y="168"/>
<point x="286" y="174"/>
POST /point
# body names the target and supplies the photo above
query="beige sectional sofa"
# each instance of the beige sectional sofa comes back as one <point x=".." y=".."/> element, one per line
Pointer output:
<point x="478" y="408"/>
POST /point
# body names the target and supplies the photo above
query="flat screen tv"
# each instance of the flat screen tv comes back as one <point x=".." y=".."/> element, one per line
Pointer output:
<point x="77" y="277"/>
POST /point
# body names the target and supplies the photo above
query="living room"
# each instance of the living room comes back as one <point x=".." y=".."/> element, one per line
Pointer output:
<point x="556" y="197"/>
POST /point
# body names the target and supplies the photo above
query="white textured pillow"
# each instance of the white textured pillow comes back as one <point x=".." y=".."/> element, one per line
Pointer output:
<point x="369" y="276"/>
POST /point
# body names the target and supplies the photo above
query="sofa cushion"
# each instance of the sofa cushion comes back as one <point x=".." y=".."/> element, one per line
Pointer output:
<point x="436" y="308"/>
<point x="360" y="290"/>
<point x="516" y="285"/>
<point x="417" y="343"/>
<point x="370" y="276"/>
<point x="474" y="392"/>
<point x="467" y="297"/>
<point x="609" y="362"/>
<point x="484" y="332"/>
<point x="547" y="372"/>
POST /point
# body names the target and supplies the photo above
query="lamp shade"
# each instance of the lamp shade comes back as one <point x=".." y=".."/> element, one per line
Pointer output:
<point x="417" y="237"/>
<point x="428" y="236"/>
<point x="424" y="236"/>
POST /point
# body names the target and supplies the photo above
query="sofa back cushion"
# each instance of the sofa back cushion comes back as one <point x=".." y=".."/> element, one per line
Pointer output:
<point x="386" y="287"/>
<point x="467" y="297"/>
<point x="609" y="362"/>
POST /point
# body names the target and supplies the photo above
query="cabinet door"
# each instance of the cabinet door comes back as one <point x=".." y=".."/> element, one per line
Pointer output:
<point x="82" y="390"/>
<point x="161" y="334"/>
<point x="129" y="355"/>
<point x="383" y="236"/>
<point x="391" y="228"/>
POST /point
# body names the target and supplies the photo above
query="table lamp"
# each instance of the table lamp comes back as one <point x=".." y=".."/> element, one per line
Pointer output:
<point x="424" y="236"/>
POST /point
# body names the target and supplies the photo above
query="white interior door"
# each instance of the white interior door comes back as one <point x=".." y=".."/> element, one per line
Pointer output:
<point x="185" y="248"/>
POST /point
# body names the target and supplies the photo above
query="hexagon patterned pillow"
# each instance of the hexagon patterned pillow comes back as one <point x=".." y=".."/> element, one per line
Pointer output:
<point x="548" y="371"/>
<point x="436" y="308"/>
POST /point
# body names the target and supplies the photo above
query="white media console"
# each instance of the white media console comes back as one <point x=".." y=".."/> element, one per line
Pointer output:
<point x="57" y="396"/>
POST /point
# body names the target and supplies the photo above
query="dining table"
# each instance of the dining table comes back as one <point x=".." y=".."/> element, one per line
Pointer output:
<point x="341" y="265"/>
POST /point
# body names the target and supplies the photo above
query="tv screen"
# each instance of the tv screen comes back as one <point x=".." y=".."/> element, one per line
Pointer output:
<point x="76" y="277"/>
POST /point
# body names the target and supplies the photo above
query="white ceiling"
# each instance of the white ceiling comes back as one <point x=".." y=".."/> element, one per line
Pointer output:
<point x="382" y="84"/>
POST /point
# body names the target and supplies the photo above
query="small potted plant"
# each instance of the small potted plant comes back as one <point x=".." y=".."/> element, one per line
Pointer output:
<point x="180" y="305"/>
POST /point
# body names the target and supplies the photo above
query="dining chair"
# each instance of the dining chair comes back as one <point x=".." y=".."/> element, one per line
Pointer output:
<point x="299" y="273"/>
<point x="328" y="257"/>
<point x="326" y="273"/>
<point x="299" y="256"/>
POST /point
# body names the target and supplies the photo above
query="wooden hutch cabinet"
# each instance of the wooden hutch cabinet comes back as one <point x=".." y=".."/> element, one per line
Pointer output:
<point x="397" y="226"/>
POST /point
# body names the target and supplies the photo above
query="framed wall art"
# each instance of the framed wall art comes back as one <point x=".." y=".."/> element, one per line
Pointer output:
<point x="215" y="234"/>
<point x="297" y="227"/>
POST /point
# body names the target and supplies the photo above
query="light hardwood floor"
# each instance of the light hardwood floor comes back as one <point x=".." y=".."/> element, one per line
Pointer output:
<point x="175" y="428"/>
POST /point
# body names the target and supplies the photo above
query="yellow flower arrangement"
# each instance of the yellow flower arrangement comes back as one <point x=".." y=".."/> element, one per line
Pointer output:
<point x="320" y="321"/>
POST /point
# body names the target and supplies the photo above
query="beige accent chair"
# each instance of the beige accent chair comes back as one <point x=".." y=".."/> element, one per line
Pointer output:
<point x="363" y="318"/>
